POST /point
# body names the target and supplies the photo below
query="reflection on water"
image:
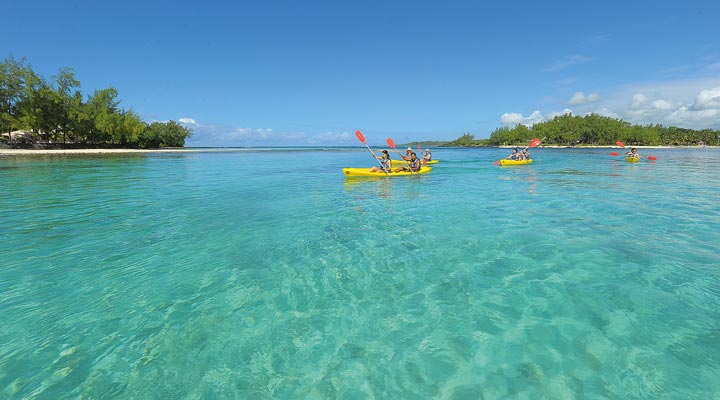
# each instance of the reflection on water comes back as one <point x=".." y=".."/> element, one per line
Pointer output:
<point x="380" y="186"/>
<point x="399" y="187"/>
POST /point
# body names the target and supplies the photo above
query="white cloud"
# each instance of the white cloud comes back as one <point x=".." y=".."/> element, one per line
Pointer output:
<point x="700" y="119"/>
<point x="188" y="121"/>
<point x="607" y="113"/>
<point x="662" y="104"/>
<point x="516" y="118"/>
<point x="638" y="100"/>
<point x="566" y="62"/>
<point x="708" y="99"/>
<point x="511" y="119"/>
<point x="689" y="103"/>
<point x="535" y="117"/>
<point x="554" y="114"/>
<point x="580" y="98"/>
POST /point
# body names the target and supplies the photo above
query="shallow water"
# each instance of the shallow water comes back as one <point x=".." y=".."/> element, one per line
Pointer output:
<point x="267" y="274"/>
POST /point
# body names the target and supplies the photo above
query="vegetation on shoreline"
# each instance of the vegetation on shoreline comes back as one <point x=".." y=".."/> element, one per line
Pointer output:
<point x="424" y="144"/>
<point x="593" y="129"/>
<point x="55" y="111"/>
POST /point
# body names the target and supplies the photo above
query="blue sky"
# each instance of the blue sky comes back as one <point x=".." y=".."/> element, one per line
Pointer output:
<point x="311" y="73"/>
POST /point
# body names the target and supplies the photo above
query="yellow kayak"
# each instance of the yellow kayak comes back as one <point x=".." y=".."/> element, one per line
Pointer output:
<point x="365" y="173"/>
<point x="515" y="162"/>
<point x="632" y="159"/>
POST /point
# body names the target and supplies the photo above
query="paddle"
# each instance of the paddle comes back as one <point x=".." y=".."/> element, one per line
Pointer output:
<point x="362" y="139"/>
<point x="392" y="146"/>
<point x="653" y="158"/>
<point x="533" y="143"/>
<point x="619" y="143"/>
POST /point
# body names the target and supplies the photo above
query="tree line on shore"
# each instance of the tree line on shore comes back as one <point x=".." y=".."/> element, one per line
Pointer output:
<point x="56" y="111"/>
<point x="593" y="129"/>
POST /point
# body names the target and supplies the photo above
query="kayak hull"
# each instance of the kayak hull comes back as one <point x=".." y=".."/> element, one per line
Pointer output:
<point x="515" y="162"/>
<point x="632" y="159"/>
<point x="365" y="173"/>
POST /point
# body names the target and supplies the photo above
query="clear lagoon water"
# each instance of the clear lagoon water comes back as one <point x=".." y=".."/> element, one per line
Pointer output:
<point x="267" y="274"/>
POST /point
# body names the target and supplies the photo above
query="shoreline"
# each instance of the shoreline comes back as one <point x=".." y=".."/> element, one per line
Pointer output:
<point x="33" y="152"/>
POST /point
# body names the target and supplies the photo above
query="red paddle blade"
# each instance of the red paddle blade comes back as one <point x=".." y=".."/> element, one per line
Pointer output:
<point x="419" y="149"/>
<point x="535" y="142"/>
<point x="360" y="136"/>
<point x="496" y="162"/>
<point x="619" y="143"/>
<point x="613" y="153"/>
<point x="652" y="158"/>
<point x="391" y="143"/>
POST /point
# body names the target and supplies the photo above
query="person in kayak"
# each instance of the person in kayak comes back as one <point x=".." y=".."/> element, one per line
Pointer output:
<point x="406" y="157"/>
<point x="632" y="153"/>
<point x="427" y="155"/>
<point x="526" y="154"/>
<point x="414" y="163"/>
<point x="384" y="161"/>
<point x="513" y="155"/>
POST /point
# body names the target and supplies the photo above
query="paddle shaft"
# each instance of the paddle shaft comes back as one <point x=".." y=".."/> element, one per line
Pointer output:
<point x="406" y="161"/>
<point x="361" y="138"/>
<point x="391" y="143"/>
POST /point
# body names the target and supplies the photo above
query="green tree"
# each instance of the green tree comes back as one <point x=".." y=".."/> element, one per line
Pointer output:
<point x="101" y="109"/>
<point x="174" y="135"/>
<point x="132" y="127"/>
<point x="65" y="83"/>
<point x="151" y="136"/>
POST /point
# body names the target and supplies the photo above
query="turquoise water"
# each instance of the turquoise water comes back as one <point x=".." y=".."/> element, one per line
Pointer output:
<point x="267" y="274"/>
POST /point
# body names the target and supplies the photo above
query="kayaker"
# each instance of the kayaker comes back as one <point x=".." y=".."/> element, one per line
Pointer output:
<point x="414" y="163"/>
<point x="406" y="157"/>
<point x="632" y="153"/>
<point x="526" y="154"/>
<point x="427" y="155"/>
<point x="513" y="155"/>
<point x="385" y="161"/>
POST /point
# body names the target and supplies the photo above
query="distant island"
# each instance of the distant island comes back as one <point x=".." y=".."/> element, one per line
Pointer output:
<point x="37" y="113"/>
<point x="592" y="130"/>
